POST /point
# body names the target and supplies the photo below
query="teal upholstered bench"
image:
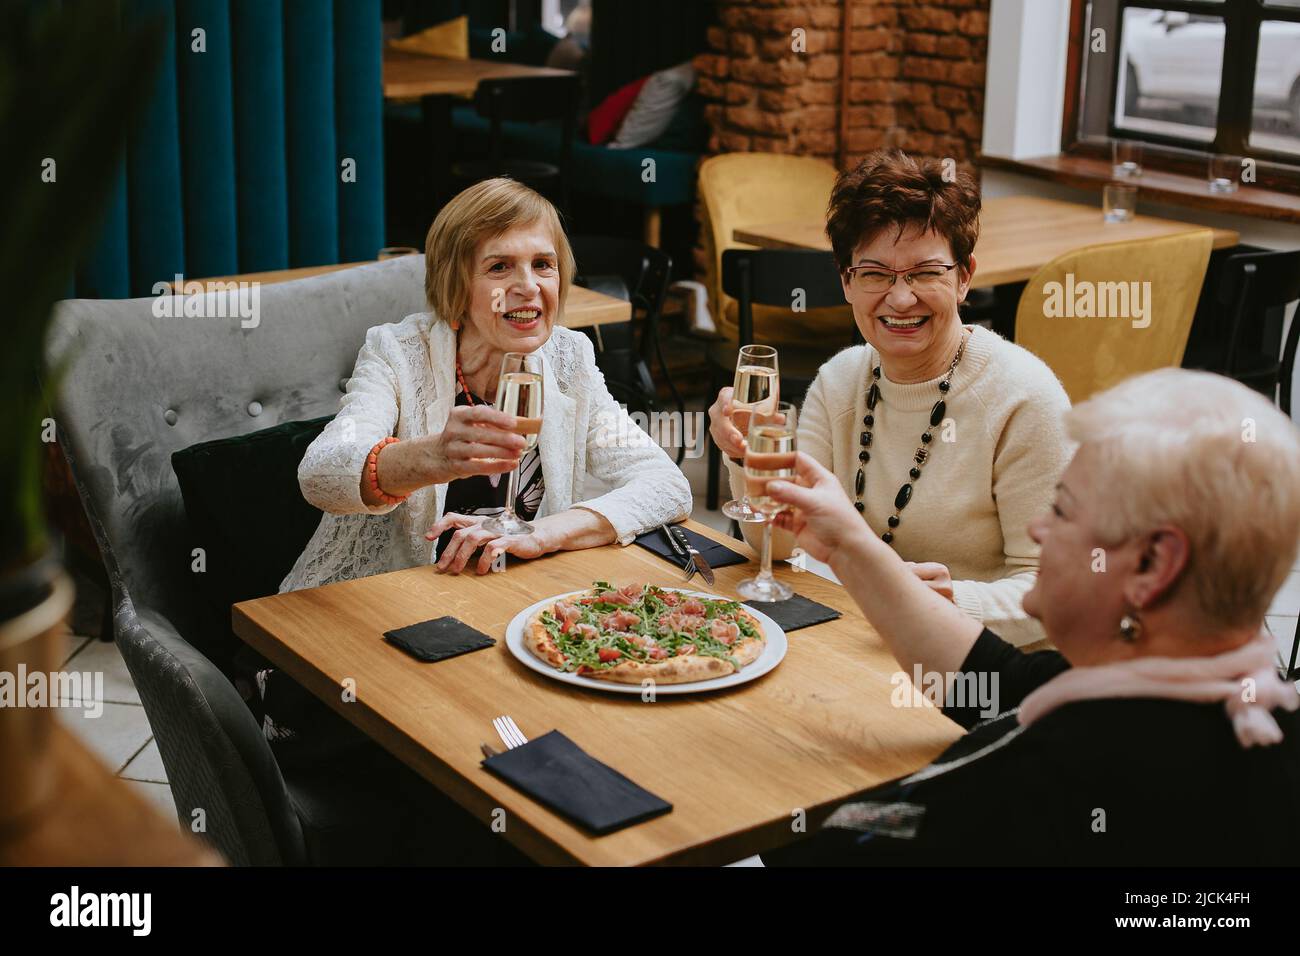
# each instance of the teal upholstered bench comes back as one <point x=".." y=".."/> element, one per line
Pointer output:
<point x="615" y="174"/>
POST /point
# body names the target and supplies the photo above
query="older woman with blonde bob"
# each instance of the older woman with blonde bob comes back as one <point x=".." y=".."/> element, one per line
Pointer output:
<point x="1159" y="732"/>
<point x="417" y="450"/>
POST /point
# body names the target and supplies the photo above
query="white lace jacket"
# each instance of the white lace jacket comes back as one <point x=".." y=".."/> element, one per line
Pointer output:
<point x="404" y="385"/>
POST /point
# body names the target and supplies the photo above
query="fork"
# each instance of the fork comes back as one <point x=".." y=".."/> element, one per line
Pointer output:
<point x="509" y="732"/>
<point x="681" y="552"/>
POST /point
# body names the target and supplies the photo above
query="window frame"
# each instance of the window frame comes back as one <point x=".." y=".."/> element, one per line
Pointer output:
<point x="1234" y="116"/>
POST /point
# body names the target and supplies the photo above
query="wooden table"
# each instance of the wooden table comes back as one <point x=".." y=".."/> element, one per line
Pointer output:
<point x="407" y="75"/>
<point x="1018" y="235"/>
<point x="584" y="308"/>
<point x="737" y="765"/>
<point x="439" y="83"/>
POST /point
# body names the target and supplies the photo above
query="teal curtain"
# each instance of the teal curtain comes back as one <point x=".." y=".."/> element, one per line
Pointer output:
<point x="261" y="149"/>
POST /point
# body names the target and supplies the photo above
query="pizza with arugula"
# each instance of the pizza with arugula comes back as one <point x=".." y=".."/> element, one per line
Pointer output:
<point x="643" y="632"/>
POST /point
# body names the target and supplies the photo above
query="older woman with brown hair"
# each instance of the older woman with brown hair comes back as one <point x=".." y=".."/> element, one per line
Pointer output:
<point x="1160" y="733"/>
<point x="417" y="449"/>
<point x="945" y="437"/>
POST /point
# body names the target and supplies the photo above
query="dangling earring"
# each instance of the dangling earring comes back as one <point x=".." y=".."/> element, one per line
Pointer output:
<point x="455" y="325"/>
<point x="1130" y="628"/>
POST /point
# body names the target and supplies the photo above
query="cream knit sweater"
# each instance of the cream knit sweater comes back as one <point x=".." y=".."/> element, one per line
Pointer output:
<point x="993" y="467"/>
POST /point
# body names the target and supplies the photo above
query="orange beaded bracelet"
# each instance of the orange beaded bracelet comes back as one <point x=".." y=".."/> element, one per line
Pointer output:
<point x="372" y="473"/>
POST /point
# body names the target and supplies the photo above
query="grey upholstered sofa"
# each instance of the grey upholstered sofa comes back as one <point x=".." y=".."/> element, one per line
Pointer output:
<point x="139" y="387"/>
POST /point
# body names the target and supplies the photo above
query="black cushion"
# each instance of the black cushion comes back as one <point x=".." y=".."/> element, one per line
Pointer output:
<point x="246" y="512"/>
<point x="687" y="132"/>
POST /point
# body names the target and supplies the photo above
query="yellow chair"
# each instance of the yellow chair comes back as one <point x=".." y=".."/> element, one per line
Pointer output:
<point x="1100" y="314"/>
<point x="749" y="189"/>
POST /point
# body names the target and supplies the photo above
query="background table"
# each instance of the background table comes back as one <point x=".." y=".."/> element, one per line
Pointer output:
<point x="408" y="75"/>
<point x="584" y="308"/>
<point x="1018" y="235"/>
<point x="439" y="83"/>
<point x="738" y="765"/>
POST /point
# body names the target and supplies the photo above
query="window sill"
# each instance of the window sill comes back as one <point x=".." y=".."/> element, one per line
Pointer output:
<point x="1087" y="173"/>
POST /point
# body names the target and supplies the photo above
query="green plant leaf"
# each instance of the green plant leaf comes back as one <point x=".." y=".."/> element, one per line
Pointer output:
<point x="73" y="81"/>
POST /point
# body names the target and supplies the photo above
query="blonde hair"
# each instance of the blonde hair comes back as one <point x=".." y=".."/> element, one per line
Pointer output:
<point x="485" y="210"/>
<point x="1212" y="457"/>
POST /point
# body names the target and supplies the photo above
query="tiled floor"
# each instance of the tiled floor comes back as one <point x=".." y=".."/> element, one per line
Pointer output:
<point x="122" y="736"/>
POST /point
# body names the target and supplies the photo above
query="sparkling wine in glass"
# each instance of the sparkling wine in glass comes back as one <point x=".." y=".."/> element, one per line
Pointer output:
<point x="769" y="454"/>
<point x="519" y="393"/>
<point x="756" y="389"/>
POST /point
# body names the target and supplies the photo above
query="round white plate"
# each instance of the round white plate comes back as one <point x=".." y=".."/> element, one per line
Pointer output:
<point x="773" y="653"/>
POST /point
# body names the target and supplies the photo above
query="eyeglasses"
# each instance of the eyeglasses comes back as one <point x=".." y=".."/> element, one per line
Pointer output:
<point x="880" y="279"/>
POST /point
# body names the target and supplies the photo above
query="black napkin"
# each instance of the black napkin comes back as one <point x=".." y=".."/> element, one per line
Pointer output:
<point x="438" y="639"/>
<point x="718" y="555"/>
<point x="553" y="770"/>
<point x="796" y="612"/>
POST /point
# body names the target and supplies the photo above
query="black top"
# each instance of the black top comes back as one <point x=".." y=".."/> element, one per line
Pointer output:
<point x="486" y="494"/>
<point x="1118" y="782"/>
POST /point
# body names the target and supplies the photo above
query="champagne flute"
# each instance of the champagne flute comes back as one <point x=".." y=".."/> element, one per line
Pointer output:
<point x="769" y="454"/>
<point x="756" y="389"/>
<point x="519" y="393"/>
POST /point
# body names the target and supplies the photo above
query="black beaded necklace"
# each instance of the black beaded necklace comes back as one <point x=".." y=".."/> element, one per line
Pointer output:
<point x="922" y="452"/>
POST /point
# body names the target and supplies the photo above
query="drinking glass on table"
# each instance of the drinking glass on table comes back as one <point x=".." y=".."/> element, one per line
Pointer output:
<point x="1119" y="202"/>
<point x="756" y="389"/>
<point x="1126" y="158"/>
<point x="769" y="453"/>
<point x="519" y="393"/>
<point x="1224" y="173"/>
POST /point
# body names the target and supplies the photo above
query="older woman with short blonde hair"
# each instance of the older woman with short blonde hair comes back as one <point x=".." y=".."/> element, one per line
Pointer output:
<point x="417" y="450"/>
<point x="1160" y="733"/>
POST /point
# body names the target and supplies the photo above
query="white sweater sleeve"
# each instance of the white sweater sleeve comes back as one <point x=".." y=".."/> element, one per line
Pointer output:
<point x="647" y="488"/>
<point x="330" y="472"/>
<point x="1029" y="457"/>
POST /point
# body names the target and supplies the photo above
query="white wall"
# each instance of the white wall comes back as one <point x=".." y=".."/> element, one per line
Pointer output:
<point x="1025" y="83"/>
<point x="1023" y="103"/>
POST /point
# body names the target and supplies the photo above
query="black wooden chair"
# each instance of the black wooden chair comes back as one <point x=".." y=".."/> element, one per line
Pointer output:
<point x="640" y="274"/>
<point x="1252" y="293"/>
<point x="528" y="100"/>
<point x="772" y="277"/>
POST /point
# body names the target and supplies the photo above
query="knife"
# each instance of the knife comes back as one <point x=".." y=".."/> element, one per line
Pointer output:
<point x="706" y="572"/>
<point x="676" y="546"/>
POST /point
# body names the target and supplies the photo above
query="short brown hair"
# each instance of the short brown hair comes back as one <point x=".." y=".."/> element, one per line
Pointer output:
<point x="890" y="188"/>
<point x="484" y="211"/>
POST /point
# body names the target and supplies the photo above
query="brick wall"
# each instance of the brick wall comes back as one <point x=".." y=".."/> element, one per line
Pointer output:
<point x="916" y="77"/>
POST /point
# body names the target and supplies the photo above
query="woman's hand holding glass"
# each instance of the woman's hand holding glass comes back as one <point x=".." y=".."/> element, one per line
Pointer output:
<point x="476" y="440"/>
<point x="722" y="426"/>
<point x="823" y="519"/>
